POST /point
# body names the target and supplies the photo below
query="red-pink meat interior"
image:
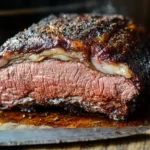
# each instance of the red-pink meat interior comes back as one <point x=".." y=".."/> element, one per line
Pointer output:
<point x="57" y="79"/>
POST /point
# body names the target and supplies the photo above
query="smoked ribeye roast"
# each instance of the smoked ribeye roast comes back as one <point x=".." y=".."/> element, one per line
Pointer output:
<point x="100" y="63"/>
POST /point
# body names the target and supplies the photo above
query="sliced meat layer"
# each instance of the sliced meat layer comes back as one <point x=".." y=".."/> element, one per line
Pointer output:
<point x="54" y="79"/>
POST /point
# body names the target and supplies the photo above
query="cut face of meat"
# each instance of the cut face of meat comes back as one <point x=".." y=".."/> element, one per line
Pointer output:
<point x="54" y="79"/>
<point x="99" y="62"/>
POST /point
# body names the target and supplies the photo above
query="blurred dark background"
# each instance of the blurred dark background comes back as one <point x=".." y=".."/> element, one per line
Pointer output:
<point x="15" y="15"/>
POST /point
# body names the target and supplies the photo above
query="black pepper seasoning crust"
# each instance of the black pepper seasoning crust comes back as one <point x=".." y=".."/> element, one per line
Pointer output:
<point x="113" y="38"/>
<point x="63" y="31"/>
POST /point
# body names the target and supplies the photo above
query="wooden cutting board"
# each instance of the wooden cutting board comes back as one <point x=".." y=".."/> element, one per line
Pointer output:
<point x="60" y="118"/>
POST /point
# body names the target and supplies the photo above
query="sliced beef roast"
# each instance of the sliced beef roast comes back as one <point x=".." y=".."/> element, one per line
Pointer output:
<point x="99" y="62"/>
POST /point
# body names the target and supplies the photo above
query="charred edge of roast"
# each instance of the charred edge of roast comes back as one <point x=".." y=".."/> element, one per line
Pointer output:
<point x="73" y="104"/>
<point x="57" y="30"/>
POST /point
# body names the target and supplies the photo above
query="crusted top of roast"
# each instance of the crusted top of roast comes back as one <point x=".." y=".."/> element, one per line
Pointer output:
<point x="110" y="37"/>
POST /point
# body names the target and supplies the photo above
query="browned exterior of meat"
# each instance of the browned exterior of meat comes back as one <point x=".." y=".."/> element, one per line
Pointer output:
<point x="86" y="33"/>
